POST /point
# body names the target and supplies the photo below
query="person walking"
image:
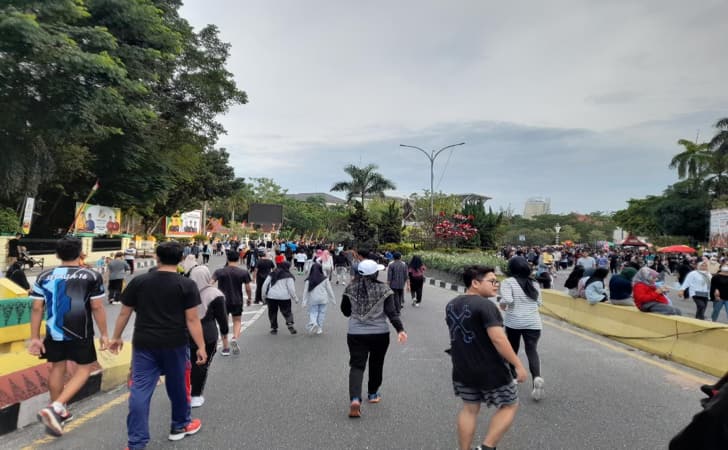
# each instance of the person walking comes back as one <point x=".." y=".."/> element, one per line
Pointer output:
<point x="118" y="268"/>
<point x="397" y="279"/>
<point x="368" y="304"/>
<point x="719" y="292"/>
<point x="263" y="268"/>
<point x="166" y="310"/>
<point x="206" y="251"/>
<point x="70" y="295"/>
<point x="279" y="288"/>
<point x="130" y="256"/>
<point x="416" y="272"/>
<point x="212" y="315"/>
<point x="520" y="300"/>
<point x="317" y="294"/>
<point x="341" y="267"/>
<point x="231" y="280"/>
<point x="697" y="286"/>
<point x="480" y="353"/>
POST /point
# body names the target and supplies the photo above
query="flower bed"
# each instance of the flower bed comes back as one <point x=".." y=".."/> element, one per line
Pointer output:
<point x="453" y="263"/>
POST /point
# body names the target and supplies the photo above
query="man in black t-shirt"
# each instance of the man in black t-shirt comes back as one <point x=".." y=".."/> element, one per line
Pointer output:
<point x="166" y="310"/>
<point x="262" y="269"/>
<point x="479" y="351"/>
<point x="230" y="280"/>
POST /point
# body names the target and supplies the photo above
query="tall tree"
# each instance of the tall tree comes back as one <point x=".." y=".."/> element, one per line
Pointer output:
<point x="390" y="224"/>
<point x="693" y="161"/>
<point x="365" y="181"/>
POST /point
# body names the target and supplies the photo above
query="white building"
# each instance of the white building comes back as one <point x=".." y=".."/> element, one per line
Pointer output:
<point x="536" y="206"/>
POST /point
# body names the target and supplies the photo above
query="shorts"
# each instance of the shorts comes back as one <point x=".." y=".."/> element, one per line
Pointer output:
<point x="234" y="310"/>
<point x="500" y="396"/>
<point x="78" y="351"/>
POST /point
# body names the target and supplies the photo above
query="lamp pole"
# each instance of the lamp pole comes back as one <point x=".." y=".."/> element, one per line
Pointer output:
<point x="557" y="227"/>
<point x="432" y="156"/>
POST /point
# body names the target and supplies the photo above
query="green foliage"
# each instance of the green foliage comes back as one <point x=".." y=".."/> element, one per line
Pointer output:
<point x="365" y="182"/>
<point x="490" y="225"/>
<point x="455" y="263"/>
<point x="9" y="221"/>
<point x="362" y="230"/>
<point x="390" y="224"/>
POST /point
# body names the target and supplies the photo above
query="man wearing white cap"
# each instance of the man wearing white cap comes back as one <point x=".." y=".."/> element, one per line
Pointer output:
<point x="368" y="303"/>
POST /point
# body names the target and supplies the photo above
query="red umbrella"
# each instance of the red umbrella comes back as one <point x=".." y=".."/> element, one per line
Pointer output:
<point x="677" y="249"/>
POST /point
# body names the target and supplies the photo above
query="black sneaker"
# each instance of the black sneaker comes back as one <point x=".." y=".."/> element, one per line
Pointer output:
<point x="67" y="417"/>
<point x="708" y="390"/>
<point x="292" y="330"/>
<point x="52" y="421"/>
<point x="273" y="331"/>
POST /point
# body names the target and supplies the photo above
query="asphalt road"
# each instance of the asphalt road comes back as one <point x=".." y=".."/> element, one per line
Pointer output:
<point x="289" y="391"/>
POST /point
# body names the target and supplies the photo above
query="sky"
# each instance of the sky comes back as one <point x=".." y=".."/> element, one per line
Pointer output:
<point x="578" y="101"/>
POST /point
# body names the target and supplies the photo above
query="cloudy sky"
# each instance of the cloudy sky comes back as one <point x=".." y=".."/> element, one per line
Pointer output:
<point x="580" y="101"/>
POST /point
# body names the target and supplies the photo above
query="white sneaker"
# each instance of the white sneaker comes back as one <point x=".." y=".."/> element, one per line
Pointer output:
<point x="235" y="347"/>
<point x="319" y="330"/>
<point x="196" y="402"/>
<point x="537" y="393"/>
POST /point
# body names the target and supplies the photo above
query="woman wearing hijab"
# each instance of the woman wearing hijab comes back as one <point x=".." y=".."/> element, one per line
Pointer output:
<point x="697" y="286"/>
<point x="210" y="310"/>
<point x="317" y="294"/>
<point x="416" y="279"/>
<point x="520" y="299"/>
<point x="719" y="291"/>
<point x="572" y="282"/>
<point x="595" y="290"/>
<point x="279" y="288"/>
<point x="16" y="274"/>
<point x="187" y="264"/>
<point x="650" y="298"/>
<point x="620" y="287"/>
<point x="368" y="304"/>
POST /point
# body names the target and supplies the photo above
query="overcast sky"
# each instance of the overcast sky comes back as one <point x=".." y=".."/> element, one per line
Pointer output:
<point x="579" y="101"/>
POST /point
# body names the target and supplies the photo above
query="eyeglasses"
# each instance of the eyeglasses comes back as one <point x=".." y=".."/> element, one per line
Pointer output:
<point x="494" y="282"/>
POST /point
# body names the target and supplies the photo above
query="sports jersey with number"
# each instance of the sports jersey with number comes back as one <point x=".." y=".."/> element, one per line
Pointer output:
<point x="67" y="293"/>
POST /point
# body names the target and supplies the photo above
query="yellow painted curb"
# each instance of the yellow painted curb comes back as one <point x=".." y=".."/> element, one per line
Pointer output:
<point x="8" y="289"/>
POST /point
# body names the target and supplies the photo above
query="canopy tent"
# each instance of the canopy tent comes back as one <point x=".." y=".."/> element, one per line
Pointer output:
<point x="677" y="249"/>
<point x="632" y="241"/>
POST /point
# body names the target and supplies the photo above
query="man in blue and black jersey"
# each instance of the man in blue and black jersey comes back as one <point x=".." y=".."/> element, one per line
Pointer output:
<point x="70" y="295"/>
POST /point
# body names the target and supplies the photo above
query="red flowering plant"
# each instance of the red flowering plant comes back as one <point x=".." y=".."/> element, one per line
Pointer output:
<point x="457" y="228"/>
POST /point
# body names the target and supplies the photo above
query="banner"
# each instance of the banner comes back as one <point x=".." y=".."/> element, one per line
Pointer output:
<point x="186" y="224"/>
<point x="28" y="214"/>
<point x="97" y="219"/>
<point x="719" y="228"/>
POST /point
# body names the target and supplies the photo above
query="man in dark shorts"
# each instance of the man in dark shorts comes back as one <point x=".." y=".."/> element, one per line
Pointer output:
<point x="480" y="352"/>
<point x="230" y="280"/>
<point x="262" y="269"/>
<point x="71" y="295"/>
<point x="165" y="304"/>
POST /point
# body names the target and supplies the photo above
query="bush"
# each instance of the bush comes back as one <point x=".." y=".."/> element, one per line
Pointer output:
<point x="9" y="221"/>
<point x="454" y="263"/>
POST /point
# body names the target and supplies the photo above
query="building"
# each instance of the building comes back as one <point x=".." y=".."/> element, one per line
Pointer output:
<point x="329" y="200"/>
<point x="536" y="206"/>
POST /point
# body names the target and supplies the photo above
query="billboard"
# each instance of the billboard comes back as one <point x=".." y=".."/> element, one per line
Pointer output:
<point x="719" y="228"/>
<point x="186" y="224"/>
<point x="97" y="219"/>
<point x="265" y="215"/>
<point x="28" y="214"/>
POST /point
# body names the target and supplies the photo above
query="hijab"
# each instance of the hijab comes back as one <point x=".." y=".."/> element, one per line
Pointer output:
<point x="599" y="275"/>
<point x="281" y="272"/>
<point x="646" y="276"/>
<point x="202" y="278"/>
<point x="188" y="264"/>
<point x="628" y="273"/>
<point x="573" y="281"/>
<point x="315" y="276"/>
<point x="367" y="296"/>
<point x="520" y="270"/>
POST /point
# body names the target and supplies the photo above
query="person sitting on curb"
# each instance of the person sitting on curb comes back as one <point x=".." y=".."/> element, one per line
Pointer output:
<point x="620" y="287"/>
<point x="594" y="288"/>
<point x="650" y="298"/>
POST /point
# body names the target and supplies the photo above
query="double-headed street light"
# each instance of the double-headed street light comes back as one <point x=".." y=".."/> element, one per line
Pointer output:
<point x="432" y="156"/>
<point x="557" y="228"/>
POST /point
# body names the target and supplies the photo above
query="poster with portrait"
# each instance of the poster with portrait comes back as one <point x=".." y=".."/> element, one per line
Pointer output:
<point x="719" y="228"/>
<point x="97" y="219"/>
<point x="186" y="224"/>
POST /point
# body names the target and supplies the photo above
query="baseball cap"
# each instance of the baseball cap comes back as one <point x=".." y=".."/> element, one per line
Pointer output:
<point x="368" y="267"/>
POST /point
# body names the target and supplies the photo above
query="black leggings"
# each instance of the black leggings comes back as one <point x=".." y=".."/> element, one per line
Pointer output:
<point x="198" y="376"/>
<point x="700" y="304"/>
<point x="416" y="284"/>
<point x="530" y="340"/>
<point x="285" y="307"/>
<point x="363" y="347"/>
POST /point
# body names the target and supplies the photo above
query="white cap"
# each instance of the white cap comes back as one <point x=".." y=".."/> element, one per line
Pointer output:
<point x="368" y="267"/>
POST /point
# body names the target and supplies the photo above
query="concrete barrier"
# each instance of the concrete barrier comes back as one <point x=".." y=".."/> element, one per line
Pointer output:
<point x="695" y="343"/>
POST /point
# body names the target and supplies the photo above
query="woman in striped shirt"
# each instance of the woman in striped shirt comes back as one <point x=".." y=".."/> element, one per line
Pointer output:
<point x="520" y="299"/>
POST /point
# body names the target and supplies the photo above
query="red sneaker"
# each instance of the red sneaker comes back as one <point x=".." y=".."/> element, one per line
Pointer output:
<point x="179" y="433"/>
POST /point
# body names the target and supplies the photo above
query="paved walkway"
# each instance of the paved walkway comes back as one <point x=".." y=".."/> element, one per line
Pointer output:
<point x="289" y="391"/>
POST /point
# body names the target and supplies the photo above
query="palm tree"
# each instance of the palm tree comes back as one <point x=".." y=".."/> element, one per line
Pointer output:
<point x="365" y="181"/>
<point x="692" y="162"/>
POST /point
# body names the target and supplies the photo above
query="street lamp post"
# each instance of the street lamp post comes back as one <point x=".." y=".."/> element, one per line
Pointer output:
<point x="432" y="156"/>
<point x="557" y="227"/>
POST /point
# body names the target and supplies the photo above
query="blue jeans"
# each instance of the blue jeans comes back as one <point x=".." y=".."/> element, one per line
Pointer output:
<point x="316" y="315"/>
<point x="717" y="306"/>
<point x="146" y="367"/>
